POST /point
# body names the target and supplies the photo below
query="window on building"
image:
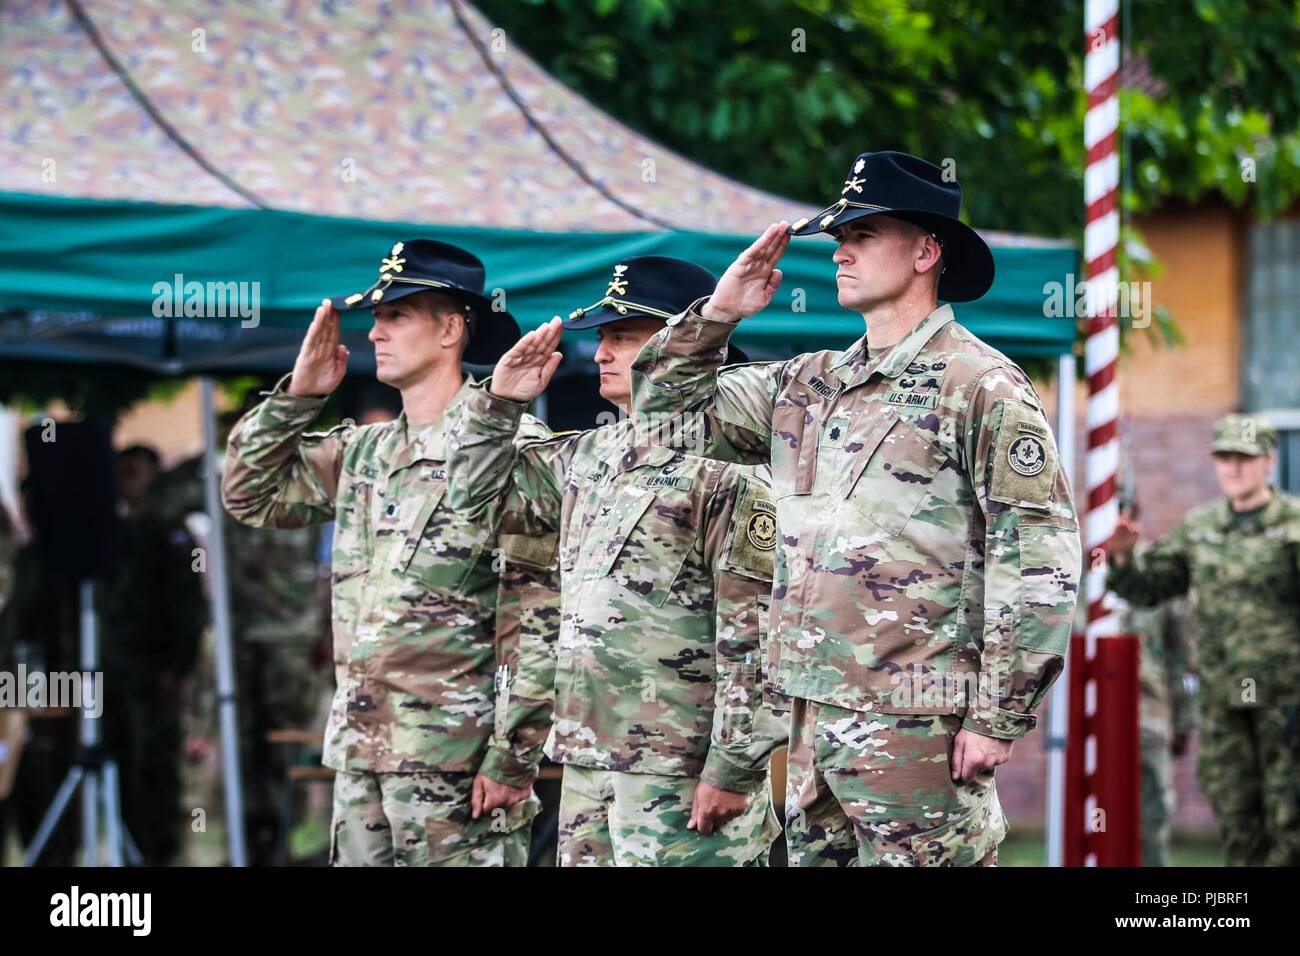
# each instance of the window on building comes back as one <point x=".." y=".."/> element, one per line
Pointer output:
<point x="1271" y="353"/>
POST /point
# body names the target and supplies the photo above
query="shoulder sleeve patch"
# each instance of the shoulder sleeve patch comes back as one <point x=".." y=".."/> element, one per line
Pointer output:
<point x="751" y="539"/>
<point x="1024" y="459"/>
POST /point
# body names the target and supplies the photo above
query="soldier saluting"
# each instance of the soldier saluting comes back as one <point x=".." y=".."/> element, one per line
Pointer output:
<point x="413" y="586"/>
<point x="928" y="558"/>
<point x="661" y="721"/>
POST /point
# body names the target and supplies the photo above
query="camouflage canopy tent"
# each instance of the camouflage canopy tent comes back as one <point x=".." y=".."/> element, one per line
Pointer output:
<point x="147" y="140"/>
<point x="278" y="150"/>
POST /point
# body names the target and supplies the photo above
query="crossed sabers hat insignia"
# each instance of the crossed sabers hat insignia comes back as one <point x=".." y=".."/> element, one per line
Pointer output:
<point x="617" y="287"/>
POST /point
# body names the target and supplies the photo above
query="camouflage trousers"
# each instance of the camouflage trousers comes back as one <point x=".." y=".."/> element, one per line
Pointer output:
<point x="609" y="818"/>
<point x="1157" y="797"/>
<point x="423" y="819"/>
<point x="874" y="790"/>
<point x="1249" y="769"/>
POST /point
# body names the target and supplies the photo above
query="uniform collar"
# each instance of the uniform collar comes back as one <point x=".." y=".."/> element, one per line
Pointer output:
<point x="1270" y="515"/>
<point x="854" y="367"/>
<point x="428" y="443"/>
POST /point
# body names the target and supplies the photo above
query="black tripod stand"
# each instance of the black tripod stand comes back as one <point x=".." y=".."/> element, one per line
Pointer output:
<point x="94" y="770"/>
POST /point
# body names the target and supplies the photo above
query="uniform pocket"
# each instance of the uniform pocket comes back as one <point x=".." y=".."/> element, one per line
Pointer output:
<point x="350" y="554"/>
<point x="892" y="476"/>
<point x="534" y="551"/>
<point x="639" y="553"/>
<point x="738" y="699"/>
<point x="453" y="844"/>
<point x="441" y="549"/>
<point x="794" y="449"/>
<point x="966" y="840"/>
<point x="1049" y="576"/>
<point x="745" y="840"/>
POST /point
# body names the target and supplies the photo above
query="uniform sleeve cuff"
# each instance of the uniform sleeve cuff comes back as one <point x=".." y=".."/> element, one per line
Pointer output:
<point x="695" y="313"/>
<point x="302" y="409"/>
<point x="281" y="390"/>
<point x="494" y="408"/>
<point x="1002" y="724"/>
<point x="720" y="773"/>
<point x="1119" y="575"/>
<point x="504" y="767"/>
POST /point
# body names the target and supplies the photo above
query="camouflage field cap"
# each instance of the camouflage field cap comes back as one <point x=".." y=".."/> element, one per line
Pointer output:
<point x="1243" y="434"/>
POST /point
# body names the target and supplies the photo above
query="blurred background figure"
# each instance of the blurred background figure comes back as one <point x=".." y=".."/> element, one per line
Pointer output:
<point x="279" y="626"/>
<point x="1240" y="558"/>
<point x="1167" y="714"/>
<point x="152" y="617"/>
<point x="39" y="629"/>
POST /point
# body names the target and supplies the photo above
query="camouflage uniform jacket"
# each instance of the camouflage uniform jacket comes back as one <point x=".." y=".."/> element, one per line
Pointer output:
<point x="1246" y="580"/>
<point x="929" y="547"/>
<point x="665" y="564"/>
<point x="1168" y="652"/>
<point x="414" y="590"/>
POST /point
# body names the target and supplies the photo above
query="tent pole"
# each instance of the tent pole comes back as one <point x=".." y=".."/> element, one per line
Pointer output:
<point x="225" y="675"/>
<point x="1058" y="712"/>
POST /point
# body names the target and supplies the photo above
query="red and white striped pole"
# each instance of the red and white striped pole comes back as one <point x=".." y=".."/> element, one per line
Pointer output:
<point x="1075" y="778"/>
<point x="1100" y="245"/>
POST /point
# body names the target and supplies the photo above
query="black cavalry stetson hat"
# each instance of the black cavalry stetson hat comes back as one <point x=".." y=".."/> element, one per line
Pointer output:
<point x="656" y="287"/>
<point x="426" y="265"/>
<point x="907" y="187"/>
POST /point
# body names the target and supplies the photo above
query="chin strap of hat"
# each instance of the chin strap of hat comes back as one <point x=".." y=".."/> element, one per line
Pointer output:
<point x="827" y="215"/>
<point x="380" y="286"/>
<point x="621" y="306"/>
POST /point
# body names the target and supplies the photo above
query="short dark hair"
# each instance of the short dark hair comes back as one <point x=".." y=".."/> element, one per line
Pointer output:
<point x="440" y="303"/>
<point x="145" y="452"/>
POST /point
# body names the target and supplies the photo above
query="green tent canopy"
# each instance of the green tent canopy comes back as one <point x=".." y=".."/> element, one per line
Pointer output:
<point x="93" y="280"/>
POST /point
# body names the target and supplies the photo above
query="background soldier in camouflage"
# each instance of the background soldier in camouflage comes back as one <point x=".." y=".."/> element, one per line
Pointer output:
<point x="929" y="559"/>
<point x="1166" y="706"/>
<point x="414" y="587"/>
<point x="278" y="621"/>
<point x="665" y="578"/>
<point x="152" y="615"/>
<point x="1240" y="558"/>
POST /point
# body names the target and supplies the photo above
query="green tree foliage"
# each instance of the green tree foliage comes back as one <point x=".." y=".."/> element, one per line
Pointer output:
<point x="781" y="94"/>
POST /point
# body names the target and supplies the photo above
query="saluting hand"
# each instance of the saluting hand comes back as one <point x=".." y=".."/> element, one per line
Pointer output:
<point x="524" y="372"/>
<point x="323" y="360"/>
<point x="1127" y="534"/>
<point x="749" y="283"/>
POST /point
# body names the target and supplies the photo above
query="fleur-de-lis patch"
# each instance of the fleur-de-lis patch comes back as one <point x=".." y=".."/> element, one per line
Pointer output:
<point x="392" y="263"/>
<point x="618" y="284"/>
